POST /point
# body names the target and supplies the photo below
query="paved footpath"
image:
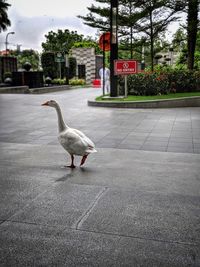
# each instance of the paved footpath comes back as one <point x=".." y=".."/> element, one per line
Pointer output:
<point x="135" y="203"/>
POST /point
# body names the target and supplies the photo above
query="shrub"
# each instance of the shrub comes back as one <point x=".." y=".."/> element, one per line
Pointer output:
<point x="182" y="81"/>
<point x="77" y="82"/>
<point x="163" y="82"/>
<point x="58" y="81"/>
<point x="7" y="75"/>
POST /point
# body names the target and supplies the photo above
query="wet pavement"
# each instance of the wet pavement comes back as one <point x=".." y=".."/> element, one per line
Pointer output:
<point x="134" y="203"/>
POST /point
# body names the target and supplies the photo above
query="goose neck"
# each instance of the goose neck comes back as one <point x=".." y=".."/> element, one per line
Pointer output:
<point x="61" y="124"/>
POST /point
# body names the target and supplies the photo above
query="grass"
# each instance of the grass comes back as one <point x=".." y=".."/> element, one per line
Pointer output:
<point x="146" y="98"/>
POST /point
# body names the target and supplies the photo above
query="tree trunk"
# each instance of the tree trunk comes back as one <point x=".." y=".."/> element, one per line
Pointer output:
<point x="152" y="41"/>
<point x="131" y="29"/>
<point x="131" y="42"/>
<point x="192" y="23"/>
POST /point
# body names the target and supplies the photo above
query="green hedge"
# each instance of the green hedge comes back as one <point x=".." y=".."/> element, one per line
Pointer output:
<point x="162" y="82"/>
<point x="49" y="65"/>
<point x="73" y="81"/>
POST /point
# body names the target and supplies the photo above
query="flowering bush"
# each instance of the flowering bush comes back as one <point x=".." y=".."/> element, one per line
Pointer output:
<point x="77" y="81"/>
<point x="162" y="82"/>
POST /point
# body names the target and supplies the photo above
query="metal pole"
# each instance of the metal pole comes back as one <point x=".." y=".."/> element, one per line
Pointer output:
<point x="103" y="65"/>
<point x="126" y="87"/>
<point x="67" y="68"/>
<point x="113" y="47"/>
<point x="6" y="42"/>
<point x="60" y="69"/>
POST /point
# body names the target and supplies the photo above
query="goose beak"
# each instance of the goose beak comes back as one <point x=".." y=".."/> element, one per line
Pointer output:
<point x="45" y="103"/>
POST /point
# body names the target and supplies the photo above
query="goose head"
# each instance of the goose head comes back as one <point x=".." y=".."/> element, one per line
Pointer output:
<point x="50" y="103"/>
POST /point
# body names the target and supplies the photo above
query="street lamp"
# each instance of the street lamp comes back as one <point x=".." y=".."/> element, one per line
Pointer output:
<point x="6" y="42"/>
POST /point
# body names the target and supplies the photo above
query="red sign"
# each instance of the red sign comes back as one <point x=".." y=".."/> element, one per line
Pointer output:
<point x="125" y="67"/>
<point x="104" y="41"/>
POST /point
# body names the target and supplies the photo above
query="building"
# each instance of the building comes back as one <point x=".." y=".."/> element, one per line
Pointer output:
<point x="88" y="64"/>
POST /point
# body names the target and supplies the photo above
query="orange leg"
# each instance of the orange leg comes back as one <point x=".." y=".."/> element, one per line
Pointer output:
<point x="83" y="159"/>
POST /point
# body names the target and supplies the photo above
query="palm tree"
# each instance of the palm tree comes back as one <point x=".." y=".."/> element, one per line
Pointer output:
<point x="4" y="20"/>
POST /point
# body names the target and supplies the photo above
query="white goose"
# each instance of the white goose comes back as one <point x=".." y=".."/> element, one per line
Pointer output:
<point x="73" y="140"/>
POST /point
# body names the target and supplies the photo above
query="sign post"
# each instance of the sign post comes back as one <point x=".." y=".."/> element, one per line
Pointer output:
<point x="125" y="67"/>
<point x="126" y="87"/>
<point x="59" y="58"/>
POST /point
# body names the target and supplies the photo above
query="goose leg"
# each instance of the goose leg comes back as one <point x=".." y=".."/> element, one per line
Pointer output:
<point x="72" y="163"/>
<point x="83" y="159"/>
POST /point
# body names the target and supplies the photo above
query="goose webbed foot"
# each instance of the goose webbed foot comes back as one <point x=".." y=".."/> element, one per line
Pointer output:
<point x="72" y="166"/>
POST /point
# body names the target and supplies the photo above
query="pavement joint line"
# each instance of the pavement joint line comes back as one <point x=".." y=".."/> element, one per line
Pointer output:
<point x="84" y="217"/>
<point x="171" y="133"/>
<point x="141" y="238"/>
<point x="62" y="228"/>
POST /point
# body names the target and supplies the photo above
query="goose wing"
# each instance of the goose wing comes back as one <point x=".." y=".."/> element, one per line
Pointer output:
<point x="85" y="138"/>
<point x="75" y="142"/>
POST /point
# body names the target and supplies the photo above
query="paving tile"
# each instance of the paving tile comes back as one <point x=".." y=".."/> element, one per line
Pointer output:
<point x="129" y="146"/>
<point x="160" y="134"/>
<point x="155" y="143"/>
<point x="157" y="216"/>
<point x="154" y="147"/>
<point x="180" y="144"/>
<point x="157" y="139"/>
<point x="195" y="135"/>
<point x="20" y="185"/>
<point x="179" y="149"/>
<point x="196" y="140"/>
<point x="183" y="134"/>
<point x="180" y="139"/>
<point x="61" y="205"/>
<point x="30" y="245"/>
<point x="196" y="145"/>
<point x="137" y="135"/>
<point x="133" y="141"/>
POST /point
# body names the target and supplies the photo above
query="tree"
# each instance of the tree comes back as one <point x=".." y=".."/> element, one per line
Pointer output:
<point x="154" y="16"/>
<point x="4" y="20"/>
<point x="192" y="24"/>
<point x="27" y="55"/>
<point x="99" y="17"/>
<point x="89" y="44"/>
<point x="61" y="41"/>
<point x="138" y="20"/>
<point x="179" y="39"/>
<point x="101" y="21"/>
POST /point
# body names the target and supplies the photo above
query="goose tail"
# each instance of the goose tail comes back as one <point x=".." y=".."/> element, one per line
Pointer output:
<point x="91" y="150"/>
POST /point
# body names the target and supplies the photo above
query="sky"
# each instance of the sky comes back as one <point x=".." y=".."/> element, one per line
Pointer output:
<point x="32" y="19"/>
